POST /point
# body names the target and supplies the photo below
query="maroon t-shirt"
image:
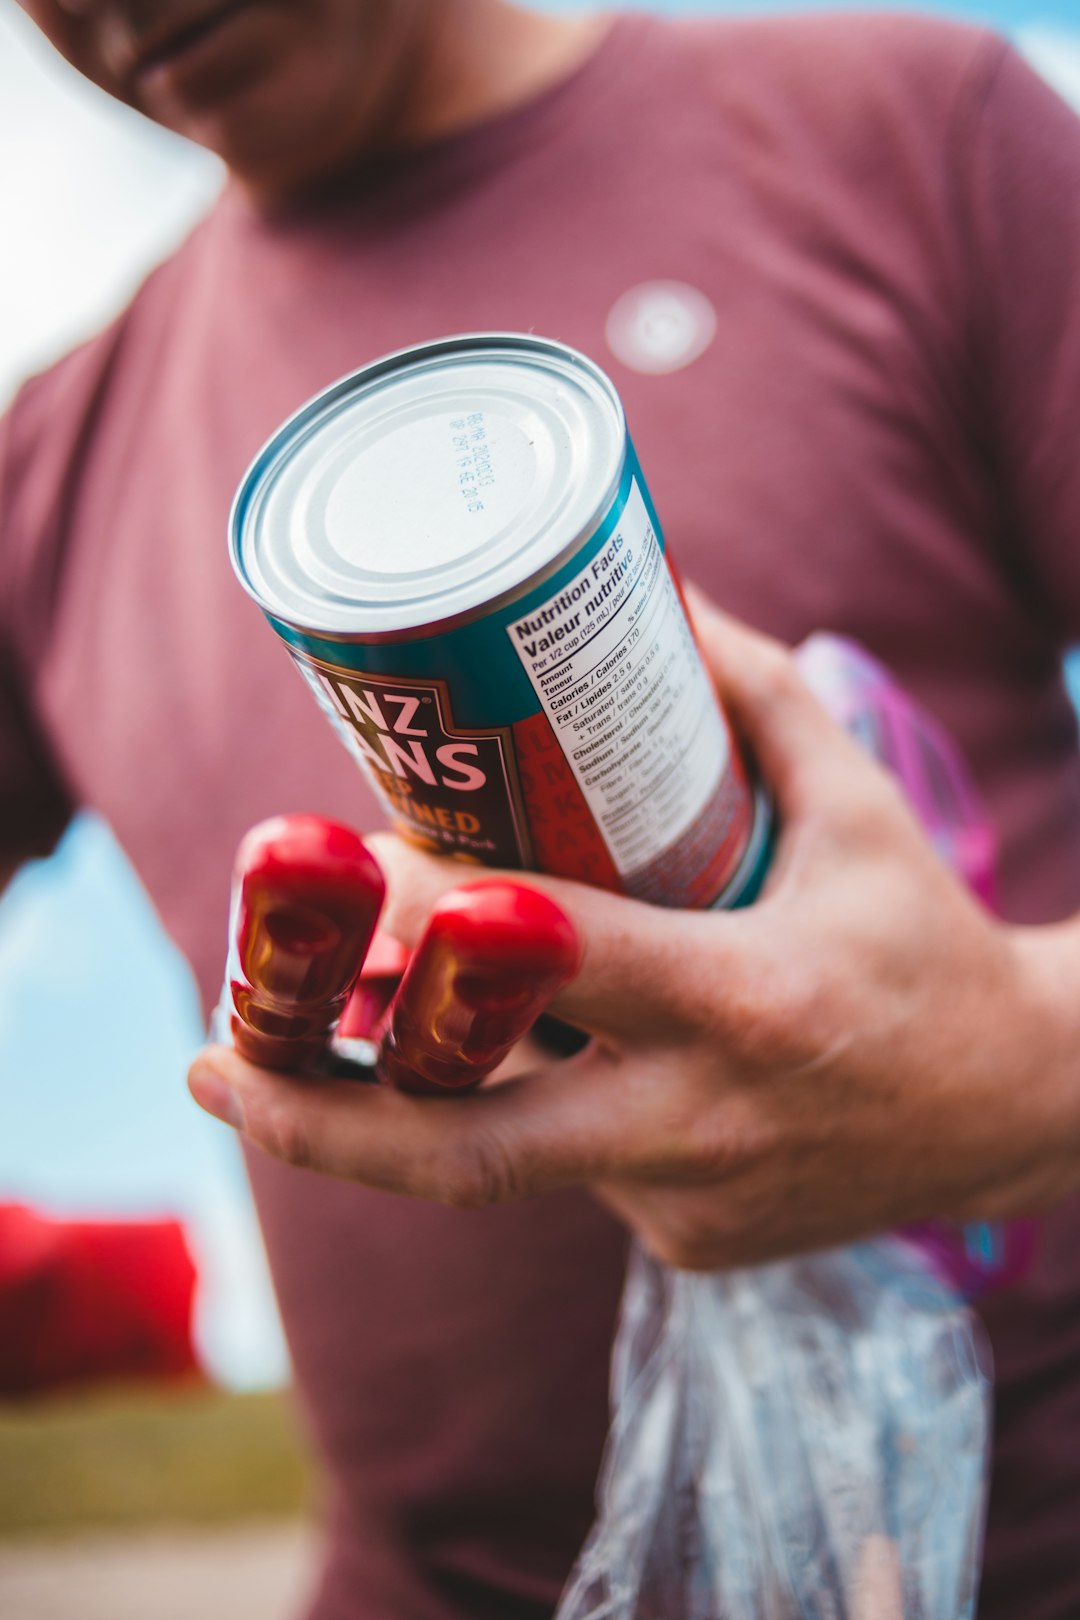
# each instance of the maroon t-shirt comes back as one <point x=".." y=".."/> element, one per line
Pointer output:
<point x="832" y="266"/>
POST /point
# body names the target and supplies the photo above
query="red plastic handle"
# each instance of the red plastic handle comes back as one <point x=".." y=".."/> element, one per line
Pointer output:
<point x="492" y="956"/>
<point x="306" y="898"/>
<point x="373" y="991"/>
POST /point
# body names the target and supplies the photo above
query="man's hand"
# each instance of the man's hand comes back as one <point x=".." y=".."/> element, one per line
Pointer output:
<point x="861" y="1048"/>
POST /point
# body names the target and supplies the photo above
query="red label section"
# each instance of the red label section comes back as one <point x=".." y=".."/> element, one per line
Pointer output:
<point x="695" y="870"/>
<point x="566" y="839"/>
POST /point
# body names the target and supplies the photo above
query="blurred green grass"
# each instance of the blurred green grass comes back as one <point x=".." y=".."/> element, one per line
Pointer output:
<point x="140" y="1457"/>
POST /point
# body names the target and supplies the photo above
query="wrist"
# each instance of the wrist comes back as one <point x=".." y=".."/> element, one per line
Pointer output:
<point x="1047" y="1056"/>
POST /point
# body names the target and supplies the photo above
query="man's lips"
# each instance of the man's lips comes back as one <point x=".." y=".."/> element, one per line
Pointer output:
<point x="179" y="36"/>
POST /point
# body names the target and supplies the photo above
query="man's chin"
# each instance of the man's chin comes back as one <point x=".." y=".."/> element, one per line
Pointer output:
<point x="274" y="129"/>
<point x="270" y="160"/>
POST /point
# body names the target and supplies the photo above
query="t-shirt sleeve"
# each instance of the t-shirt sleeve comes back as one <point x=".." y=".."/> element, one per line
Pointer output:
<point x="35" y="805"/>
<point x="1023" y="202"/>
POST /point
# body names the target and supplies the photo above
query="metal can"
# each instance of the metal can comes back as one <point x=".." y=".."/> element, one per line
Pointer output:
<point x="458" y="547"/>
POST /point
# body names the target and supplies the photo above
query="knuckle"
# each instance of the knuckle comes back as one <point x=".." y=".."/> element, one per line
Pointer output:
<point x="812" y="1009"/>
<point x="287" y="1137"/>
<point x="723" y="1143"/>
<point x="818" y="1007"/>
<point x="772" y="1025"/>
<point x="745" y="1016"/>
<point x="476" y="1176"/>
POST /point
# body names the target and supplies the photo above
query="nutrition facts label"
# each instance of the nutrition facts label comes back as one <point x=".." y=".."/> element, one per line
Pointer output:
<point x="614" y="665"/>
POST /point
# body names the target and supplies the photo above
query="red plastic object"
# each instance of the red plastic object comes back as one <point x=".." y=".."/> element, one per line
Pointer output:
<point x="82" y="1301"/>
<point x="373" y="992"/>
<point x="492" y="956"/>
<point x="306" y="898"/>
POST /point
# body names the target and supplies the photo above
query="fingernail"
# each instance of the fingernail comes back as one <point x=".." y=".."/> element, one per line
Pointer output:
<point x="214" y="1094"/>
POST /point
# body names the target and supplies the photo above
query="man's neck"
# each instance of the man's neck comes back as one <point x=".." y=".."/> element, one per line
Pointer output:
<point x="485" y="57"/>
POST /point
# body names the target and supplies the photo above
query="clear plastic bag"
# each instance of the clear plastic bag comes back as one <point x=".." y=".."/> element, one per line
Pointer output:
<point x="809" y="1440"/>
<point x="803" y="1441"/>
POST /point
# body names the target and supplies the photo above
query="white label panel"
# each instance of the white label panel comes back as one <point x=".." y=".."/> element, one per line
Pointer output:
<point x="614" y="664"/>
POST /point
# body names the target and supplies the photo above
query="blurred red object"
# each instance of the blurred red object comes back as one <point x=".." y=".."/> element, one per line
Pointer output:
<point x="83" y="1301"/>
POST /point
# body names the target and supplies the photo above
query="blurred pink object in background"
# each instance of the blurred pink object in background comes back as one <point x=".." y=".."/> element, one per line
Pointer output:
<point x="862" y="695"/>
<point x="899" y="733"/>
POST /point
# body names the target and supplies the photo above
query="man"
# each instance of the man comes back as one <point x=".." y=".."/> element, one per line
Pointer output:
<point x="831" y="266"/>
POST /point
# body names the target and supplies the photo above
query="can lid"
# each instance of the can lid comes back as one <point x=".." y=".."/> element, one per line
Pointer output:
<point x="428" y="485"/>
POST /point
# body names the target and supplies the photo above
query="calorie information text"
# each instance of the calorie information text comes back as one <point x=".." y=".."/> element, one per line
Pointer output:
<point x="612" y="659"/>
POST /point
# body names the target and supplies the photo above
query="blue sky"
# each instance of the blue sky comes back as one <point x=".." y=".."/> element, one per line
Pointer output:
<point x="97" y="1011"/>
<point x="1006" y="15"/>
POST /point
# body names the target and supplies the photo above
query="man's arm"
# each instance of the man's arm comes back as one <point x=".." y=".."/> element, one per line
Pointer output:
<point x="864" y="1047"/>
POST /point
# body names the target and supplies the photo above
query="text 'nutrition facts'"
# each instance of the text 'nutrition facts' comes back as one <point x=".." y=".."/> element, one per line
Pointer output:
<point x="612" y="660"/>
